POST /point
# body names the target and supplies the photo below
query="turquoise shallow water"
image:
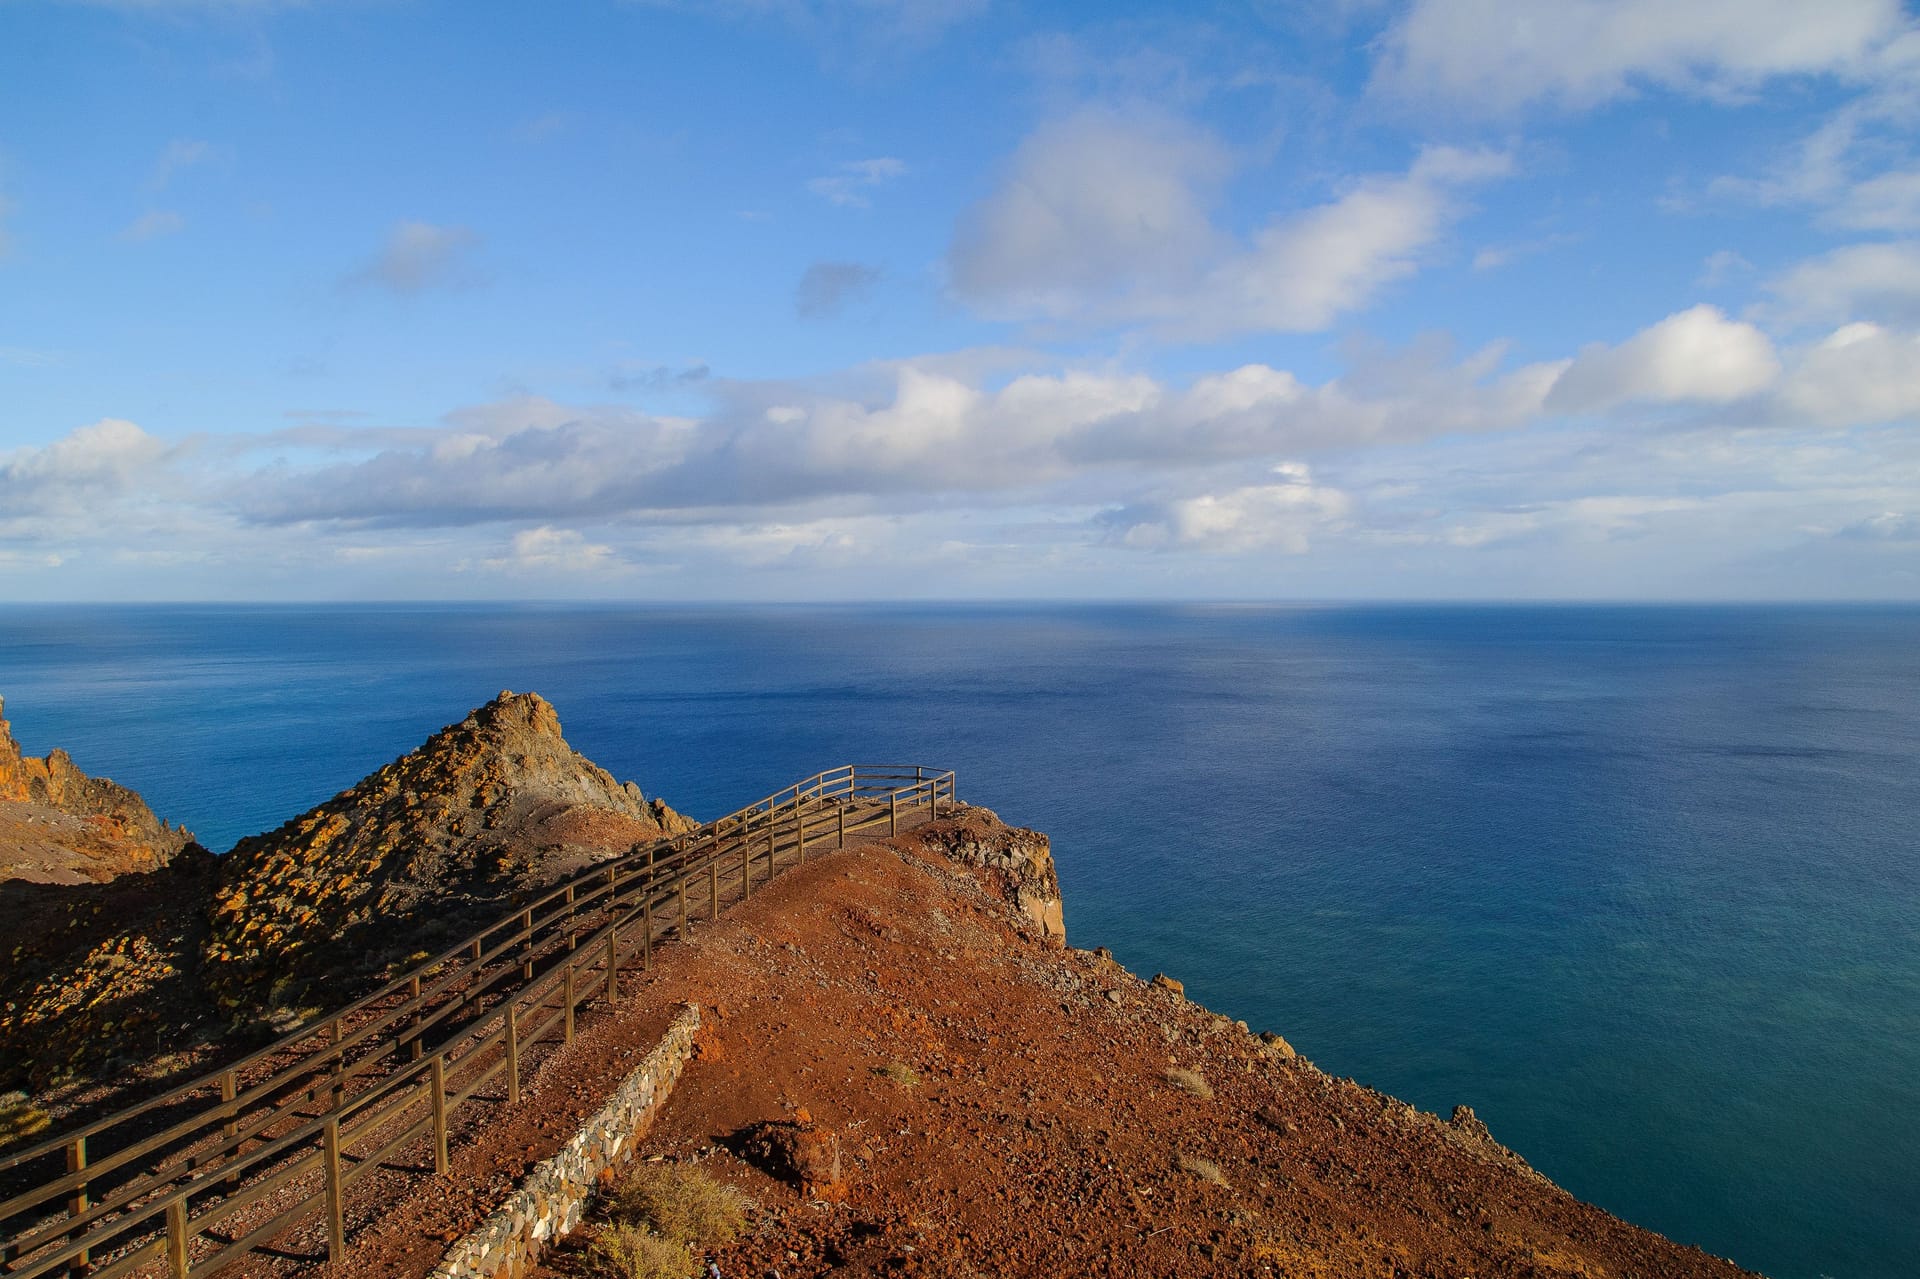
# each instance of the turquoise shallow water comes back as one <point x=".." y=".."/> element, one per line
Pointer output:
<point x="1642" y="885"/>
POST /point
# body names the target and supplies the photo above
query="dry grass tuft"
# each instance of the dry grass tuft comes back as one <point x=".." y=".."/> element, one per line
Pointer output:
<point x="680" y="1204"/>
<point x="20" y="1118"/>
<point x="1190" y="1081"/>
<point x="634" y="1252"/>
<point x="1205" y="1169"/>
<point x="905" y="1076"/>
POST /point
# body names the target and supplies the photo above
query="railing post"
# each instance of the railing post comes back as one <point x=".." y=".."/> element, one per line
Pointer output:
<point x="526" y="945"/>
<point x="646" y="934"/>
<point x="77" y="1162"/>
<point x="746" y="870"/>
<point x="893" y="812"/>
<point x="800" y="830"/>
<point x="841" y="813"/>
<point x="713" y="887"/>
<point x="229" y="1089"/>
<point x="771" y="827"/>
<point x="177" y="1237"/>
<point x="683" y="905"/>
<point x="572" y="940"/>
<point x="473" y="950"/>
<point x="413" y="1044"/>
<point x="338" y="1084"/>
<point x="513" y="1054"/>
<point x="566" y="990"/>
<point x="336" y="1210"/>
<point x="437" y="1088"/>
<point x="613" y="962"/>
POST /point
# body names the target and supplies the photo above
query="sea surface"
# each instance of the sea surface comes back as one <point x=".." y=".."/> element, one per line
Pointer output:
<point x="1641" y="885"/>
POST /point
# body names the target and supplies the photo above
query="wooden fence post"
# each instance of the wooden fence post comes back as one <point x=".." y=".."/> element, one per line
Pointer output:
<point x="566" y="990"/>
<point x="526" y="944"/>
<point x="713" y="888"/>
<point x="771" y="827"/>
<point x="893" y="812"/>
<point x="746" y="870"/>
<point x="841" y="812"/>
<point x="336" y="1209"/>
<point x="613" y="963"/>
<point x="177" y="1237"/>
<point x="413" y="1044"/>
<point x="683" y="905"/>
<point x="800" y="830"/>
<point x="646" y="935"/>
<point x="513" y="1054"/>
<point x="437" y="1085"/>
<point x="572" y="940"/>
<point x="337" y="1076"/>
<point x="77" y="1162"/>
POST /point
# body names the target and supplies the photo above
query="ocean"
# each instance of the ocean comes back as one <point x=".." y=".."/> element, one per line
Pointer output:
<point x="1639" y="884"/>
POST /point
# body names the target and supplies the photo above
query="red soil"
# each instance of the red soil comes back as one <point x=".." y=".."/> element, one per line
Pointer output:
<point x="1003" y="1107"/>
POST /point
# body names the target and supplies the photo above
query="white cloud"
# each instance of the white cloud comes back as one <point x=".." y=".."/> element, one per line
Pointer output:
<point x="420" y="256"/>
<point x="1856" y="282"/>
<point x="1282" y="515"/>
<point x="555" y="550"/>
<point x="66" y="477"/>
<point x="851" y="186"/>
<point x="1697" y="355"/>
<point x="153" y="224"/>
<point x="1093" y="207"/>
<point x="1105" y="218"/>
<point x="1861" y="373"/>
<point x="1495" y="56"/>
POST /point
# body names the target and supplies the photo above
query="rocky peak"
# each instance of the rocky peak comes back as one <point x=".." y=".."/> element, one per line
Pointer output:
<point x="486" y="807"/>
<point x="58" y="825"/>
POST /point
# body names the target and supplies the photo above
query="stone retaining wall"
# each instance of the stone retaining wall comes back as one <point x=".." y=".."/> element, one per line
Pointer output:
<point x="551" y="1200"/>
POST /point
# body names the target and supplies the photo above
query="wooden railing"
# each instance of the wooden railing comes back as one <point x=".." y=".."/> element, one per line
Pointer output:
<point x="198" y="1176"/>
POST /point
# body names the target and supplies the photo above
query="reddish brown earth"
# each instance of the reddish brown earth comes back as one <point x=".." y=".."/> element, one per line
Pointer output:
<point x="1003" y="1106"/>
<point x="60" y="826"/>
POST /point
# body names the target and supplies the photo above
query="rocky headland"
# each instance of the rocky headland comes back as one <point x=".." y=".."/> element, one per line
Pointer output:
<point x="133" y="955"/>
<point x="902" y="1067"/>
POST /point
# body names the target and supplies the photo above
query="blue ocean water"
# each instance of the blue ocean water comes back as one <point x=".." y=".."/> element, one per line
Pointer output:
<point x="1641" y="885"/>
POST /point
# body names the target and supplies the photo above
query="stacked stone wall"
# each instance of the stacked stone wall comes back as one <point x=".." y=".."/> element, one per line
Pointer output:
<point x="553" y="1197"/>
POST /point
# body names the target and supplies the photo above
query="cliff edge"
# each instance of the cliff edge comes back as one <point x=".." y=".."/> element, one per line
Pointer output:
<point x="60" y="826"/>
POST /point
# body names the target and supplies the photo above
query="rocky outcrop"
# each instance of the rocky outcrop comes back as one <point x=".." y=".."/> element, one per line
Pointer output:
<point x="195" y="950"/>
<point x="1020" y="859"/>
<point x="429" y="845"/>
<point x="60" y="826"/>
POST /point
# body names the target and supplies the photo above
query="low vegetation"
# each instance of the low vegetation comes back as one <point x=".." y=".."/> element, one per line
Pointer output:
<point x="1205" y="1169"/>
<point x="1190" y="1081"/>
<point x="659" y="1217"/>
<point x="899" y="1073"/>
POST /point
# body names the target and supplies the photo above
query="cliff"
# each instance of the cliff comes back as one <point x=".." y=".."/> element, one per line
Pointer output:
<point x="60" y="826"/>
<point x="179" y="954"/>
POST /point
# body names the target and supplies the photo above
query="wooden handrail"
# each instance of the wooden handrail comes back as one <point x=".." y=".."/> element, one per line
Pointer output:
<point x="599" y="920"/>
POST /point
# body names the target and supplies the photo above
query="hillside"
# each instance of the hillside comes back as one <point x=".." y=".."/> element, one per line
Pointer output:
<point x="150" y="970"/>
<point x="997" y="1104"/>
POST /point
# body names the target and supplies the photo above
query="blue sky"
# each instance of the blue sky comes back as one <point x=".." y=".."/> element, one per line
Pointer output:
<point x="786" y="299"/>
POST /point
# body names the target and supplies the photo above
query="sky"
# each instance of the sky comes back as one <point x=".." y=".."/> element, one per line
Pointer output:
<point x="959" y="299"/>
